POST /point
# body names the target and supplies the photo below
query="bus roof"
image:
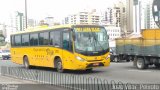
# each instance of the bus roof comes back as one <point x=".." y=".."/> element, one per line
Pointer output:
<point x="44" y="27"/>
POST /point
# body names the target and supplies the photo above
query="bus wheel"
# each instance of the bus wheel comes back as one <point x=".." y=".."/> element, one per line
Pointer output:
<point x="59" y="65"/>
<point x="26" y="62"/>
<point x="140" y="64"/>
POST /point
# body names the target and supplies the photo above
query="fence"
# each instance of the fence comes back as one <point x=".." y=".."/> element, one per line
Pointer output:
<point x="68" y="81"/>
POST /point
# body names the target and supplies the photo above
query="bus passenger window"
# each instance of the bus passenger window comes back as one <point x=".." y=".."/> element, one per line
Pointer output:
<point x="55" y="39"/>
<point x="18" y="40"/>
<point x="34" y="39"/>
<point x="66" y="40"/>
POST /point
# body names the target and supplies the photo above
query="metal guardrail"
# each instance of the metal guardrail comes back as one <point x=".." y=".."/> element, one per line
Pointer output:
<point x="68" y="81"/>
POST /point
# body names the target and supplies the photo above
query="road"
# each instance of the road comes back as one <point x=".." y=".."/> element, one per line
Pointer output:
<point x="10" y="83"/>
<point x="123" y="71"/>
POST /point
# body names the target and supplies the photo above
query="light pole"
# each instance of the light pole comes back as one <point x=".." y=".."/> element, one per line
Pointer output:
<point x="26" y="13"/>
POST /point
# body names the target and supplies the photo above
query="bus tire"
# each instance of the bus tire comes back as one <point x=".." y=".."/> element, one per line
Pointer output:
<point x="26" y="62"/>
<point x="59" y="65"/>
<point x="140" y="63"/>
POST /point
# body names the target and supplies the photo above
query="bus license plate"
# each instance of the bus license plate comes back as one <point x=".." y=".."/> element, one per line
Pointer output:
<point x="95" y="64"/>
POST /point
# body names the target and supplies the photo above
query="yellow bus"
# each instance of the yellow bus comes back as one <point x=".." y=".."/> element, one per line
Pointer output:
<point x="73" y="47"/>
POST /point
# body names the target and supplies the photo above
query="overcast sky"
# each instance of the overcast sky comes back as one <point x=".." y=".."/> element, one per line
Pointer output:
<point x="38" y="9"/>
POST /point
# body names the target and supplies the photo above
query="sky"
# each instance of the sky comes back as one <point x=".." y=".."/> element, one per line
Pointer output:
<point x="39" y="9"/>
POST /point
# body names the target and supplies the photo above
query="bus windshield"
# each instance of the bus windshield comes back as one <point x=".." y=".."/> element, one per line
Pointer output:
<point x="91" y="40"/>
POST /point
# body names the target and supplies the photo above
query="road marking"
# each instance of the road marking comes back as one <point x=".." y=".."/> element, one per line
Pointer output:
<point x="138" y="71"/>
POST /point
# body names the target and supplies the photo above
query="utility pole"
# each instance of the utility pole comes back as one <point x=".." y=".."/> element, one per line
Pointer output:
<point x="26" y="13"/>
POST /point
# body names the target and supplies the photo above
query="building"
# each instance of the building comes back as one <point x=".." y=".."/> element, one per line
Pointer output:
<point x="32" y="23"/>
<point x="83" y="17"/>
<point x="149" y="22"/>
<point x="116" y="16"/>
<point x="20" y="21"/>
<point x="108" y="16"/>
<point x="66" y="20"/>
<point x="113" y="32"/>
<point x="49" y="21"/>
<point x="129" y="16"/>
<point x="120" y="16"/>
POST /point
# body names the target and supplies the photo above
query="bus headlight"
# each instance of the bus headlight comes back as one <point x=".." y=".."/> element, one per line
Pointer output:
<point x="108" y="57"/>
<point x="79" y="58"/>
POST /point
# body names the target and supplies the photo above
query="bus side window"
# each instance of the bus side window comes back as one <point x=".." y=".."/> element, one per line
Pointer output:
<point x="66" y="40"/>
<point x="55" y="39"/>
<point x="34" y="39"/>
<point x="12" y="41"/>
<point x="17" y="40"/>
<point x="51" y="38"/>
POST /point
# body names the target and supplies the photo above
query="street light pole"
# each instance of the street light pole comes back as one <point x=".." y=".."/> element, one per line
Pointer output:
<point x="26" y="12"/>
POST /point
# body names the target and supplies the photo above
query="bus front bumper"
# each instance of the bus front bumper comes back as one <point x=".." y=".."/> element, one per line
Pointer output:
<point x="87" y="65"/>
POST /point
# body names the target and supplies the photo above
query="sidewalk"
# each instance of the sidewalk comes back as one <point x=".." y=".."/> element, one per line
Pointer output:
<point x="9" y="83"/>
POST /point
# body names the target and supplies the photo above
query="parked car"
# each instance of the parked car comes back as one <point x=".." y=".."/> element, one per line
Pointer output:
<point x="5" y="54"/>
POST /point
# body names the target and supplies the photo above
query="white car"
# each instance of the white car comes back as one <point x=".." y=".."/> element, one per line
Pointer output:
<point x="4" y="54"/>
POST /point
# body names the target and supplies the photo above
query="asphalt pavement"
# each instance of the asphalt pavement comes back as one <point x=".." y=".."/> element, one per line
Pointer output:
<point x="120" y="72"/>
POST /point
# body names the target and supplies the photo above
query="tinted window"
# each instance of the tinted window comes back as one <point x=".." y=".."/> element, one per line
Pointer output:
<point x="51" y="38"/>
<point x="55" y="39"/>
<point x="18" y="40"/>
<point x="44" y="38"/>
<point x="12" y="40"/>
<point x="34" y="39"/>
<point x="25" y="40"/>
<point x="66" y="41"/>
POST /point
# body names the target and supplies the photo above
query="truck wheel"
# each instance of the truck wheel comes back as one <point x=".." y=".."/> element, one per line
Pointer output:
<point x="59" y="65"/>
<point x="26" y="62"/>
<point x="157" y="65"/>
<point x="129" y="58"/>
<point x="116" y="59"/>
<point x="140" y="64"/>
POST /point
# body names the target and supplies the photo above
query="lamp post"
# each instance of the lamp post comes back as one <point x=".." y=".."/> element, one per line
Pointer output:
<point x="26" y="12"/>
